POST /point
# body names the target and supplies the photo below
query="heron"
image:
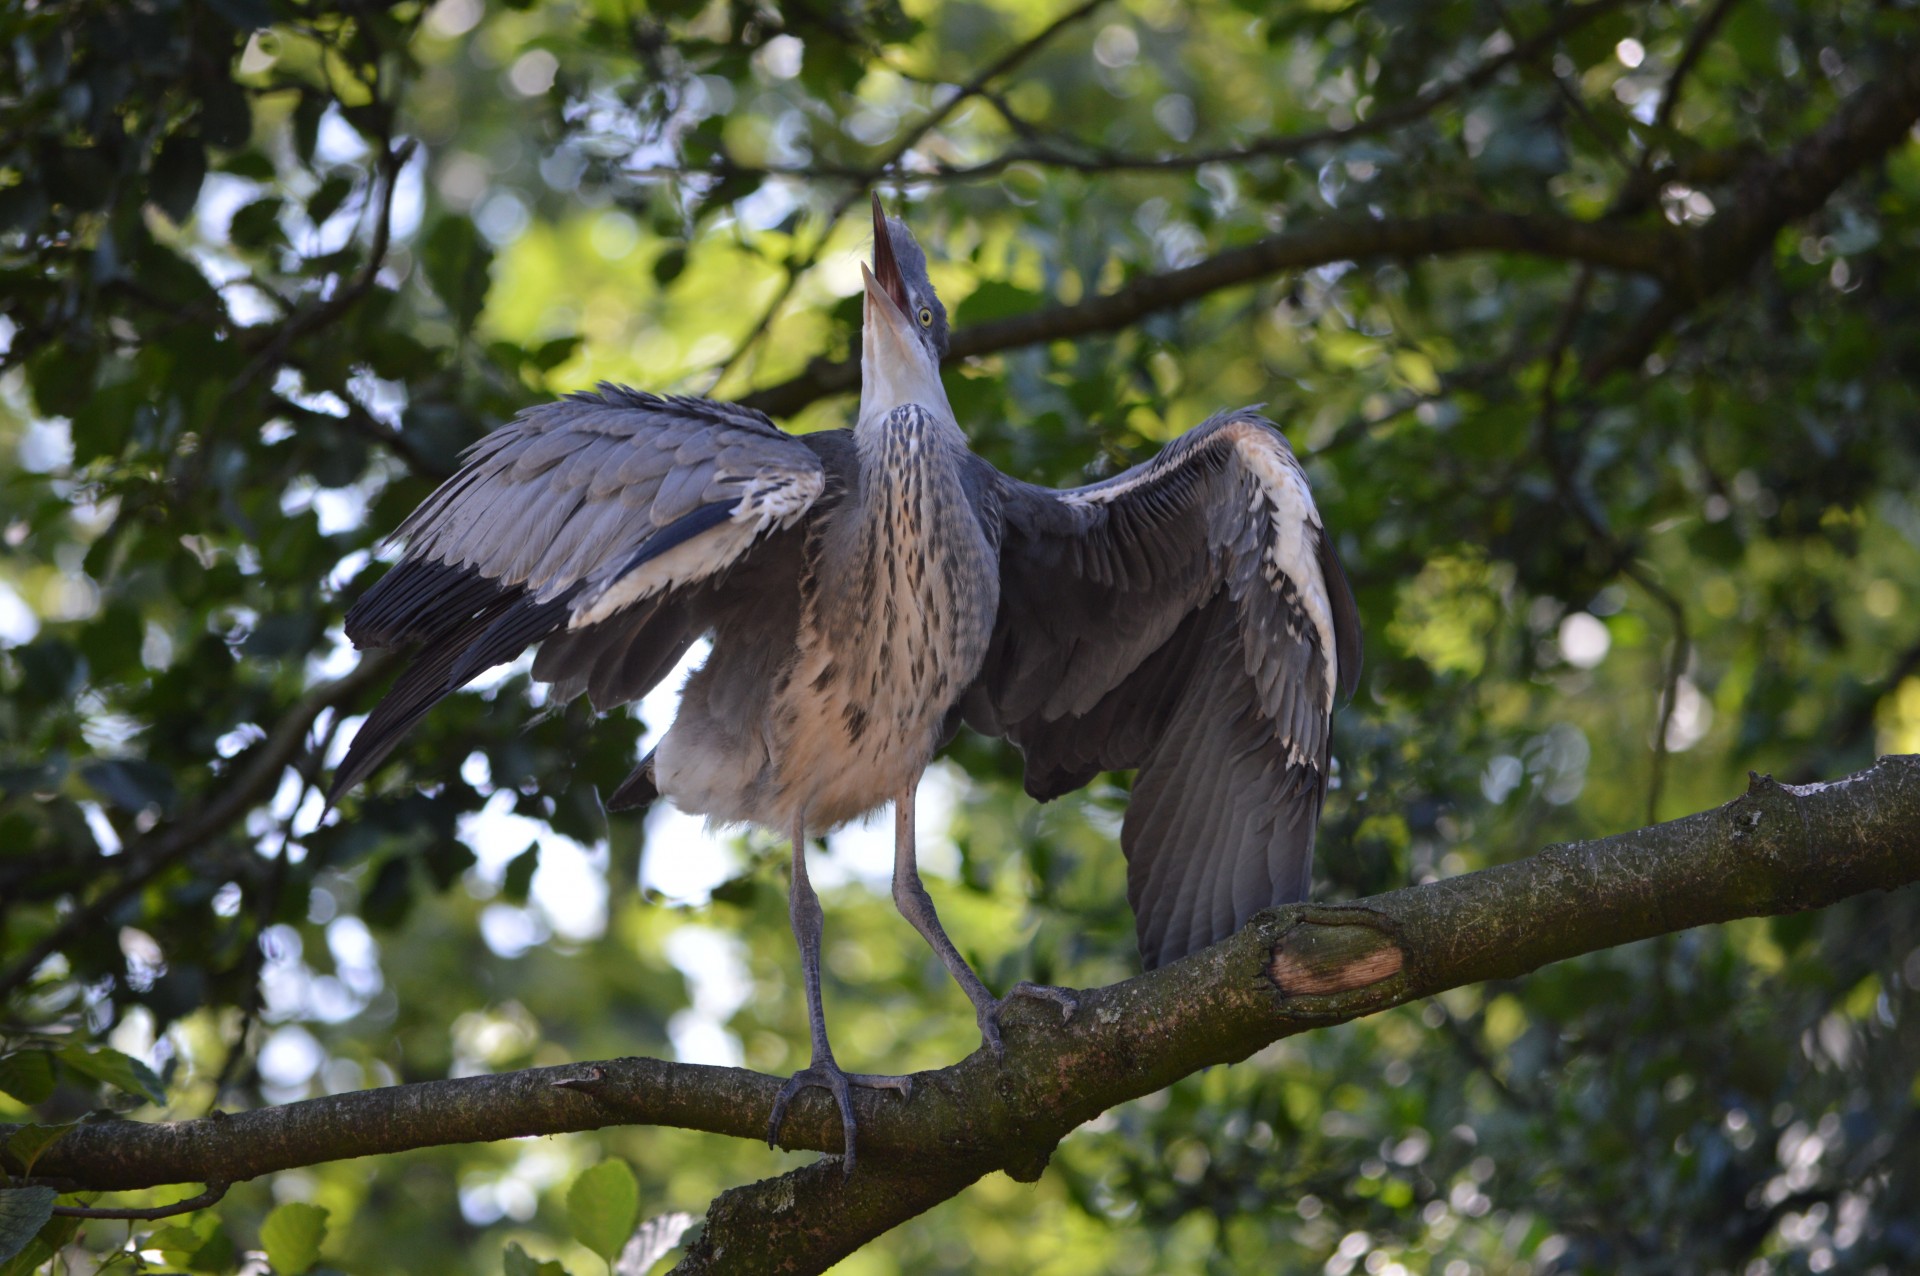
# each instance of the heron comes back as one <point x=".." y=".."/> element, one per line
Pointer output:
<point x="865" y="592"/>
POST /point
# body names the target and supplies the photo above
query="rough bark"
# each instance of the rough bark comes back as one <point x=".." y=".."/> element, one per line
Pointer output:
<point x="1776" y="849"/>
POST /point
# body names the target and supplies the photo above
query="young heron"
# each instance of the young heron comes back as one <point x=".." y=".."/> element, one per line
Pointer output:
<point x="868" y="590"/>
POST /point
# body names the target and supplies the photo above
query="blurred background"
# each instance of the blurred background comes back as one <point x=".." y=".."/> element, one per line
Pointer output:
<point x="266" y="266"/>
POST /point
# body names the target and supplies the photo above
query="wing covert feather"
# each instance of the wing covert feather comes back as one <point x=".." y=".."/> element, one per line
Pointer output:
<point x="594" y="523"/>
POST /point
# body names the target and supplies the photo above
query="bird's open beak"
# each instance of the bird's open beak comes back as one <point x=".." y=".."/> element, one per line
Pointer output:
<point x="886" y="270"/>
<point x="888" y="339"/>
<point x="896" y="365"/>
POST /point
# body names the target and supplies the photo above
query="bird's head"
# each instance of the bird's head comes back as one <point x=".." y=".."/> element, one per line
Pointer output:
<point x="904" y="329"/>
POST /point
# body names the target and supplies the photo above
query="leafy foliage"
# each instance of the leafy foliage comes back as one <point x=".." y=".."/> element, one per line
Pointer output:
<point x="604" y="1206"/>
<point x="266" y="266"/>
<point x="292" y="1235"/>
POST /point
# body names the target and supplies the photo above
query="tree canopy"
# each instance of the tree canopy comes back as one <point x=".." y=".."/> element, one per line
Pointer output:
<point x="1592" y="322"/>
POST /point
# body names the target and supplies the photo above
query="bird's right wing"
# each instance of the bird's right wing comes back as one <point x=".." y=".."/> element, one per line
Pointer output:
<point x="580" y="522"/>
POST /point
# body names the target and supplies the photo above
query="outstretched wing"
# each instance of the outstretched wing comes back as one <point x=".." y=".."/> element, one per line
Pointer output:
<point x="1190" y="618"/>
<point x="582" y="522"/>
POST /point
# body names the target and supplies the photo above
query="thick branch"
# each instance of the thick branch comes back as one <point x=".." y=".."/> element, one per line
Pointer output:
<point x="1777" y="849"/>
<point x="1772" y="192"/>
<point x="1626" y="248"/>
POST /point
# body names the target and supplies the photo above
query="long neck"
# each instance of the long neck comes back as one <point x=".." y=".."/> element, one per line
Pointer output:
<point x="919" y="571"/>
<point x="905" y="440"/>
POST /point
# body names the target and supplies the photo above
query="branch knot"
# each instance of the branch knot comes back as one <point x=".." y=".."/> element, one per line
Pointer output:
<point x="1331" y="953"/>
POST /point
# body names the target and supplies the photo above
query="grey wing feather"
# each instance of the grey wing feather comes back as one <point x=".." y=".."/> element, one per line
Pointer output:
<point x="591" y="523"/>
<point x="1189" y="618"/>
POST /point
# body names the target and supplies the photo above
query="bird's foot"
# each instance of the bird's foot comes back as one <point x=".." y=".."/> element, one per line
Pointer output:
<point x="826" y="1074"/>
<point x="989" y="1013"/>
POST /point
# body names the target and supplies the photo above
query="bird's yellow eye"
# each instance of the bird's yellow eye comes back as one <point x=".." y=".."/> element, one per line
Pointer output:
<point x="926" y="317"/>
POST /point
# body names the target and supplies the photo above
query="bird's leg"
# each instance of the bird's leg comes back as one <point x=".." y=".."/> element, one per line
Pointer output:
<point x="911" y="898"/>
<point x="803" y="907"/>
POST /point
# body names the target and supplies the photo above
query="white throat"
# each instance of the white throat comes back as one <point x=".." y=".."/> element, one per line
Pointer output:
<point x="895" y="370"/>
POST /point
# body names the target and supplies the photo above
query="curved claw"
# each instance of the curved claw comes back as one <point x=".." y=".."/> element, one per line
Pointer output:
<point x="990" y="1013"/>
<point x="827" y="1075"/>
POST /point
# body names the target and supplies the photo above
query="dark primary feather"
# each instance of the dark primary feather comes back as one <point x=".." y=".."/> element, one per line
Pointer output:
<point x="546" y="513"/>
<point x="454" y="638"/>
<point x="1139" y="627"/>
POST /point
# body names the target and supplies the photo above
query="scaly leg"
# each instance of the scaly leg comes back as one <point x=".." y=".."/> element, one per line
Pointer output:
<point x="911" y="898"/>
<point x="803" y="907"/>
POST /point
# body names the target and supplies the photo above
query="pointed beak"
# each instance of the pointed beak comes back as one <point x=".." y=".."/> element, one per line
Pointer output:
<point x="886" y="270"/>
<point x="886" y="325"/>
<point x="897" y="366"/>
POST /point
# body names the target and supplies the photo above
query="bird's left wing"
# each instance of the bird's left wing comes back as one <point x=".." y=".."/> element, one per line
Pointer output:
<point x="584" y="520"/>
<point x="1190" y="618"/>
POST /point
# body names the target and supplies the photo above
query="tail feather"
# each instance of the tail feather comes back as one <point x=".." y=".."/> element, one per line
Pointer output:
<point x="637" y="790"/>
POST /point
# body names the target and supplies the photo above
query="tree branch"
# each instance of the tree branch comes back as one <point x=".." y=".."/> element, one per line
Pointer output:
<point x="1770" y="193"/>
<point x="1632" y="249"/>
<point x="1047" y="153"/>
<point x="1776" y="849"/>
<point x="1007" y="61"/>
<point x="170" y="843"/>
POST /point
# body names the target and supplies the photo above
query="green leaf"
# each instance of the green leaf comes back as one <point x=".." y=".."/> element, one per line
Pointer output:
<point x="174" y="182"/>
<point x="292" y="1235"/>
<point x="121" y="1071"/>
<point x="30" y="1142"/>
<point x="131" y="784"/>
<point x="604" y="1207"/>
<point x="226" y="117"/>
<point x="251" y="165"/>
<point x="551" y="354"/>
<point x="327" y="200"/>
<point x="23" y="1212"/>
<point x="446" y="860"/>
<point x="258" y="224"/>
<point x="668" y="265"/>
<point x="740" y="890"/>
<point x="62" y="378"/>
<point x="457" y="261"/>
<point x="199" y="1246"/>
<point x="516" y="1262"/>
<point x="27" y="1075"/>
<point x="736" y="185"/>
<point x="519" y="878"/>
<point x="390" y="898"/>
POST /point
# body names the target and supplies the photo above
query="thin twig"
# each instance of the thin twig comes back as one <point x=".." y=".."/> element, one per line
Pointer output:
<point x="272" y="354"/>
<point x="165" y="847"/>
<point x="1007" y="61"/>
<point x="211" y="1196"/>
<point x="363" y="423"/>
<point x="1631" y="197"/>
<point x="1677" y="661"/>
<point x="266" y="907"/>
<point x="1099" y="160"/>
<point x="1697" y="42"/>
<point x="1622" y="556"/>
<point x="1637" y="191"/>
